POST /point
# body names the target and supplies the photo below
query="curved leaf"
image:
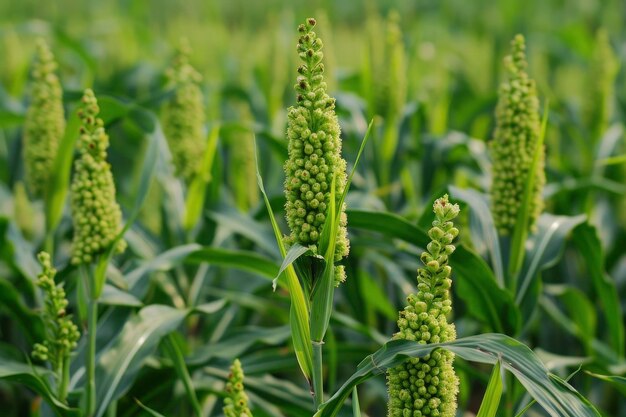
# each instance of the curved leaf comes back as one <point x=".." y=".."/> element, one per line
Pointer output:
<point x="118" y="366"/>
<point x="545" y="247"/>
<point x="556" y="396"/>
<point x="586" y="239"/>
<point x="30" y="376"/>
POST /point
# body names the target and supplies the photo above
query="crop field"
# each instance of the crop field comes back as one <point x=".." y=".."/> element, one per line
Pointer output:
<point x="235" y="208"/>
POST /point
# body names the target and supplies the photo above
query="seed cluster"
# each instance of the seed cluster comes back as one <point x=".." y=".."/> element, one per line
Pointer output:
<point x="183" y="116"/>
<point x="514" y="143"/>
<point x="61" y="333"/>
<point x="428" y="386"/>
<point x="97" y="216"/>
<point x="45" y="122"/>
<point x="314" y="152"/>
<point x="236" y="403"/>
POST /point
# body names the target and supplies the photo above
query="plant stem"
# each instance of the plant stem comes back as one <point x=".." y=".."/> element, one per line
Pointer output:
<point x="183" y="373"/>
<point x="65" y="379"/>
<point x="92" y="319"/>
<point x="318" y="378"/>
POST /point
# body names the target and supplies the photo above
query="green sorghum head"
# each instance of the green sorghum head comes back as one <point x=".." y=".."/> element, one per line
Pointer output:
<point x="96" y="215"/>
<point x="601" y="87"/>
<point x="183" y="115"/>
<point x="428" y="386"/>
<point x="61" y="333"/>
<point x="391" y="89"/>
<point x="514" y="143"/>
<point x="236" y="402"/>
<point x="45" y="122"/>
<point x="314" y="152"/>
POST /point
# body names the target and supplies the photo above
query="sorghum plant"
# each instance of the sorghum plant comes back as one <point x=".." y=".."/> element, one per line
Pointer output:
<point x="514" y="143"/>
<point x="236" y="403"/>
<point x="184" y="116"/>
<point x="314" y="153"/>
<point x="428" y="386"/>
<point x="45" y="123"/>
<point x="96" y="215"/>
<point x="61" y="333"/>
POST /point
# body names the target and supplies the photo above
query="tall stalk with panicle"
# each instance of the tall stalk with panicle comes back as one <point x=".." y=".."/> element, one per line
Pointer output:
<point x="518" y="156"/>
<point x="314" y="189"/>
<point x="97" y="221"/>
<point x="61" y="333"/>
<point x="428" y="386"/>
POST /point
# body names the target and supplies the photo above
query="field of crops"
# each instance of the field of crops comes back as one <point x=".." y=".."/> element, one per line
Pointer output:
<point x="312" y="208"/>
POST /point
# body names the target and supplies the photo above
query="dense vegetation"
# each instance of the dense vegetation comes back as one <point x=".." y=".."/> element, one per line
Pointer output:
<point x="233" y="209"/>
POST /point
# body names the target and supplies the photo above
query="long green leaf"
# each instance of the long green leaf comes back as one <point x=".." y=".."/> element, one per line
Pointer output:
<point x="586" y="239"/>
<point x="480" y="215"/>
<point x="546" y="246"/>
<point x="556" y="396"/>
<point x="31" y="377"/>
<point x="237" y="259"/>
<point x="491" y="400"/>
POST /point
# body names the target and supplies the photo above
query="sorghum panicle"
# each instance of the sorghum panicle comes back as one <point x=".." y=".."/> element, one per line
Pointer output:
<point x="45" y="122"/>
<point x="236" y="403"/>
<point x="514" y="143"/>
<point x="96" y="215"/>
<point x="428" y="386"/>
<point x="604" y="69"/>
<point x="390" y="89"/>
<point x="314" y="149"/>
<point x="184" y="115"/>
<point x="61" y="333"/>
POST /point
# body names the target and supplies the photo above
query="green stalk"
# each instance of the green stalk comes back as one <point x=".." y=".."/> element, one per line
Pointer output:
<point x="183" y="373"/>
<point x="65" y="379"/>
<point x="92" y="320"/>
<point x="318" y="376"/>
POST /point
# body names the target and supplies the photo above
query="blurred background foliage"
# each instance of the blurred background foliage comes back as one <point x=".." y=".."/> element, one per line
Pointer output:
<point x="445" y="94"/>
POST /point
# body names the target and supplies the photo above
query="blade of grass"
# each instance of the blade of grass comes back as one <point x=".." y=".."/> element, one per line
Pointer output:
<point x="491" y="400"/>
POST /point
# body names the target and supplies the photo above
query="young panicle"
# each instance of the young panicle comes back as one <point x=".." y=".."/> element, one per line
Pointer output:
<point x="314" y="148"/>
<point x="184" y="115"/>
<point x="428" y="386"/>
<point x="515" y="140"/>
<point x="45" y="122"/>
<point x="96" y="215"/>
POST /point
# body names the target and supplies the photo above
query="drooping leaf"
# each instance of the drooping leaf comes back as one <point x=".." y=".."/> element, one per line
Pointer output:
<point x="32" y="378"/>
<point x="556" y="396"/>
